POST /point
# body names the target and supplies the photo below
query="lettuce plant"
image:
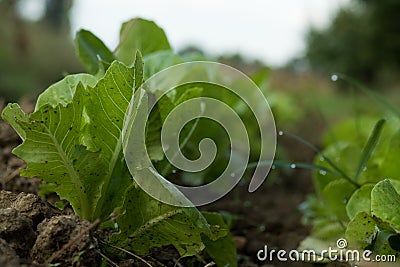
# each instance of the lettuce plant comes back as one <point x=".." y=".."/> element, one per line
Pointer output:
<point x="357" y="192"/>
<point x="73" y="142"/>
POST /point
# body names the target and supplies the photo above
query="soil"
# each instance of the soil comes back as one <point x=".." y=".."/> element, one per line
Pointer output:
<point x="32" y="230"/>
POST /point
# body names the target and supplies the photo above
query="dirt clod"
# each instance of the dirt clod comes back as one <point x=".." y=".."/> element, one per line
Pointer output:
<point x="34" y="207"/>
<point x="16" y="229"/>
<point x="56" y="232"/>
<point x="6" y="199"/>
<point x="8" y="257"/>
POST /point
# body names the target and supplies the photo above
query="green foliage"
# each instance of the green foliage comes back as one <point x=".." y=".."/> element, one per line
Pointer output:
<point x="63" y="91"/>
<point x="92" y="51"/>
<point x="52" y="151"/>
<point x="73" y="141"/>
<point x="162" y="225"/>
<point x="377" y="227"/>
<point x="82" y="149"/>
<point x="369" y="148"/>
<point x="363" y="209"/>
<point x="360" y="201"/>
<point x="222" y="250"/>
<point x="152" y="39"/>
<point x="385" y="203"/>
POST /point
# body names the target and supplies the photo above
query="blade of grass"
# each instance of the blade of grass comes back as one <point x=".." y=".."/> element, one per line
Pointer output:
<point x="328" y="130"/>
<point x="328" y="160"/>
<point x="378" y="97"/>
<point x="302" y="165"/>
<point x="356" y="111"/>
<point x="369" y="147"/>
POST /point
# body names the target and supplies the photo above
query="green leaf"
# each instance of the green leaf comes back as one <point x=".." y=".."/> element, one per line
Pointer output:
<point x="154" y="126"/>
<point x="106" y="106"/>
<point x="52" y="152"/>
<point x="327" y="229"/>
<point x="350" y="130"/>
<point x="145" y="223"/>
<point x="91" y="51"/>
<point x="14" y="115"/>
<point x="137" y="158"/>
<point x="369" y="232"/>
<point x="360" y="201"/>
<point x="385" y="203"/>
<point x="261" y="77"/>
<point x="222" y="250"/>
<point x="160" y="60"/>
<point x="313" y="208"/>
<point x="341" y="154"/>
<point x="103" y="107"/>
<point x="361" y="231"/>
<point x="390" y="164"/>
<point x="369" y="147"/>
<point x="63" y="91"/>
<point x="336" y="194"/>
<point x="382" y="239"/>
<point x="188" y="94"/>
<point x="158" y="224"/>
<point x="159" y="114"/>
<point x="164" y="107"/>
<point x="139" y="69"/>
<point x="142" y="35"/>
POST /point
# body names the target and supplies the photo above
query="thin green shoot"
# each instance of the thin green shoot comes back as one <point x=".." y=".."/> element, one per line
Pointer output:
<point x="369" y="147"/>
<point x="376" y="96"/>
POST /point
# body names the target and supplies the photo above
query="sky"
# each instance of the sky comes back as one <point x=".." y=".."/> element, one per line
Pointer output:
<point x="270" y="31"/>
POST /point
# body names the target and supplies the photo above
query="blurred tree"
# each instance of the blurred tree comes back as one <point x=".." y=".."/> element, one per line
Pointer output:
<point x="241" y="62"/>
<point x="385" y="29"/>
<point x="191" y="49"/>
<point x="57" y="14"/>
<point x="19" y="35"/>
<point x="237" y="60"/>
<point x="31" y="56"/>
<point x="363" y="41"/>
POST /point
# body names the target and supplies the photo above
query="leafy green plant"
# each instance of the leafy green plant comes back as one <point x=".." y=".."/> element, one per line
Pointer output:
<point x="357" y="197"/>
<point x="73" y="142"/>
